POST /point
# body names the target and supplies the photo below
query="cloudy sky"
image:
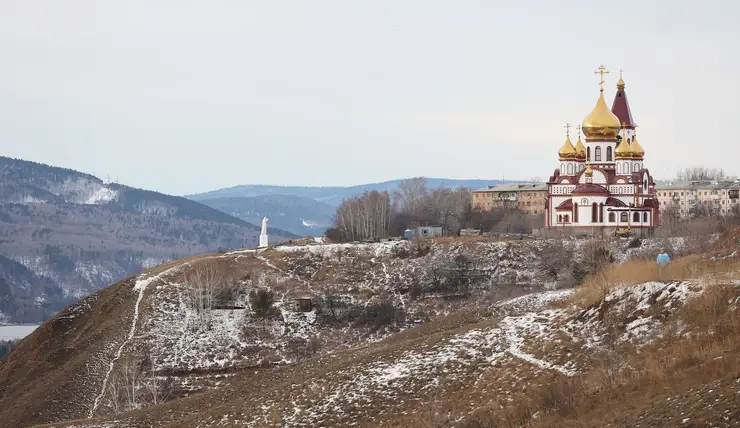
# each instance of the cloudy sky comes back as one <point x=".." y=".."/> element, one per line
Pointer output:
<point x="187" y="96"/>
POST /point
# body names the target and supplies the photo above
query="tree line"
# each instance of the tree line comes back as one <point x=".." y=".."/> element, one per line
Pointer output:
<point x="376" y="214"/>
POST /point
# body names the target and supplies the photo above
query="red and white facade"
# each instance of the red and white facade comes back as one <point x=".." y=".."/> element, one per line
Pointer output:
<point x="608" y="186"/>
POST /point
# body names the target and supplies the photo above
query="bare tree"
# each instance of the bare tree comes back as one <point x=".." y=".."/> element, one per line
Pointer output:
<point x="364" y="217"/>
<point x="700" y="173"/>
<point x="202" y="282"/>
<point x="410" y="194"/>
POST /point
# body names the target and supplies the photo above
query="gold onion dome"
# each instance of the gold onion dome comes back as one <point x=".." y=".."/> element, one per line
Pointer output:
<point x="637" y="151"/>
<point x="589" y="171"/>
<point x="567" y="152"/>
<point x="620" y="82"/>
<point x="623" y="151"/>
<point x="580" y="149"/>
<point x="601" y="123"/>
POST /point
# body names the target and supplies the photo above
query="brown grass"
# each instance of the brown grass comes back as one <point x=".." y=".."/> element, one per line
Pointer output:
<point x="632" y="272"/>
<point x="625" y="383"/>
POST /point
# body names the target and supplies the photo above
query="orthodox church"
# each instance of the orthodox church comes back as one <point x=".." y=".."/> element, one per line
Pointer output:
<point x="603" y="184"/>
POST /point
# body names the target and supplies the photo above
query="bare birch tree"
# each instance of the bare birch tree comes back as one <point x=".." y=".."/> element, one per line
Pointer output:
<point x="202" y="282"/>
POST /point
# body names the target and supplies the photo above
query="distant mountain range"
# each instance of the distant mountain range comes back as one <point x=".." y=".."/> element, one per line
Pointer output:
<point x="303" y="210"/>
<point x="64" y="233"/>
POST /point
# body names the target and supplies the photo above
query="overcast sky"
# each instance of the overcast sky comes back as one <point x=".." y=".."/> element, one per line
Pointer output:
<point x="188" y="96"/>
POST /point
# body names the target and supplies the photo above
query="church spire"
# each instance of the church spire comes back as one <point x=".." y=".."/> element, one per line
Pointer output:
<point x="621" y="107"/>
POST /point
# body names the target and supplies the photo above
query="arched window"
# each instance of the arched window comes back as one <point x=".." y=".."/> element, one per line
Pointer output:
<point x="584" y="201"/>
<point x="562" y="168"/>
<point x="634" y="168"/>
<point x="619" y="169"/>
<point x="623" y="217"/>
<point x="575" y="213"/>
<point x="566" y="218"/>
<point x="601" y="213"/>
<point x="570" y="169"/>
<point x="612" y="217"/>
<point x="644" y="217"/>
<point x="636" y="217"/>
<point x="594" y="213"/>
<point x="560" y="219"/>
<point x="609" y="154"/>
<point x="588" y="153"/>
<point x="597" y="154"/>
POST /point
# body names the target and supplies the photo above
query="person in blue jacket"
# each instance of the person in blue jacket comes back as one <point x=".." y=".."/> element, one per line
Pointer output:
<point x="663" y="258"/>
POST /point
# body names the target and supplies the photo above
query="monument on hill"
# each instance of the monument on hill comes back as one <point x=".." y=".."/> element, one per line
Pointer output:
<point x="263" y="234"/>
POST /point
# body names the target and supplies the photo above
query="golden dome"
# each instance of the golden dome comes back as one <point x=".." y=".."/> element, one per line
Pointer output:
<point x="589" y="171"/>
<point x="580" y="149"/>
<point x="601" y="123"/>
<point x="620" y="82"/>
<point x="623" y="151"/>
<point x="567" y="152"/>
<point x="637" y="151"/>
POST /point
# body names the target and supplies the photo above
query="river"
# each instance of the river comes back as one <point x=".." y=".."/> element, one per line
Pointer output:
<point x="16" y="331"/>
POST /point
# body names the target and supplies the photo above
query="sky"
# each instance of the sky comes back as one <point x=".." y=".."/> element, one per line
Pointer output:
<point x="189" y="96"/>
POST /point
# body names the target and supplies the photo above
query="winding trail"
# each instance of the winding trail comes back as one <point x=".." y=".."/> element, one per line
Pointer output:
<point x="140" y="286"/>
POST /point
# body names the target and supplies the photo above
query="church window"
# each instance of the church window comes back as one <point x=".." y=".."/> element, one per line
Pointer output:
<point x="566" y="219"/>
<point x="609" y="154"/>
<point x="594" y="213"/>
<point x="644" y="217"/>
<point x="588" y="153"/>
<point x="619" y="167"/>
<point x="636" y="217"/>
<point x="570" y="169"/>
<point x="623" y="217"/>
<point x="597" y="154"/>
<point x="560" y="219"/>
<point x="562" y="167"/>
<point x="584" y="201"/>
<point x="612" y="217"/>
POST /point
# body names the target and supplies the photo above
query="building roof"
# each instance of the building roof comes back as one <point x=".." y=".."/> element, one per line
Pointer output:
<point x="514" y="187"/>
<point x="697" y="184"/>
<point x="589" y="189"/>
<point x="621" y="108"/>
<point x="565" y="205"/>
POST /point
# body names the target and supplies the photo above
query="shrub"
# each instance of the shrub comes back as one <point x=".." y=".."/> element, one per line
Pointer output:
<point x="262" y="301"/>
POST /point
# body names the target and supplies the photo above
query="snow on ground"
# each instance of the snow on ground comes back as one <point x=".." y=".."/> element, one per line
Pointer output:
<point x="102" y="196"/>
<point x="418" y="371"/>
<point x="140" y="287"/>
<point x="645" y="306"/>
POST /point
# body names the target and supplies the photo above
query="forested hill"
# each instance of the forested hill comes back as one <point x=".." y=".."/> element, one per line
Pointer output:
<point x="64" y="233"/>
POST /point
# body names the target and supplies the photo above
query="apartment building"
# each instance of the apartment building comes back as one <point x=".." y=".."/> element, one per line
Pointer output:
<point x="691" y="197"/>
<point x="529" y="198"/>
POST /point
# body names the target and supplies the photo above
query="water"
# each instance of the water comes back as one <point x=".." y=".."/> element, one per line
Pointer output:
<point x="16" y="331"/>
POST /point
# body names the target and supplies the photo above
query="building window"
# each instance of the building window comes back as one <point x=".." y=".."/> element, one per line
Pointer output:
<point x="570" y="169"/>
<point x="636" y="217"/>
<point x="597" y="154"/>
<point x="609" y="154"/>
<point x="644" y="217"/>
<point x="594" y="213"/>
<point x="623" y="217"/>
<point x="588" y="153"/>
<point x="612" y="217"/>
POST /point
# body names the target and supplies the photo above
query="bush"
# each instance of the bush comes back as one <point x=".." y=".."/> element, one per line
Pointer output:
<point x="261" y="301"/>
<point x="635" y="243"/>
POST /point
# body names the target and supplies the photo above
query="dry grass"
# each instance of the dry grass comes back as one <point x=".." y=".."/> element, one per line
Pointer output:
<point x="632" y="272"/>
<point x="700" y="344"/>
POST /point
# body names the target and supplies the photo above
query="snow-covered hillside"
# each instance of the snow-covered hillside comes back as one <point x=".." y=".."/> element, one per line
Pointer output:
<point x="390" y="326"/>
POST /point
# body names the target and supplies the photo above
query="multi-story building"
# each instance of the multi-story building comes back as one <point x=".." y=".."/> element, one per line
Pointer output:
<point x="688" y="198"/>
<point x="529" y="198"/>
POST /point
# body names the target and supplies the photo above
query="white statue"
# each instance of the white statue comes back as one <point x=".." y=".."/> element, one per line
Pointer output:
<point x="263" y="234"/>
<point x="264" y="226"/>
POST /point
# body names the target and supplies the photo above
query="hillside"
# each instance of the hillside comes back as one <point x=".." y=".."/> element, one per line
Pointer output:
<point x="404" y="334"/>
<point x="297" y="215"/>
<point x="64" y="233"/>
<point x="331" y="195"/>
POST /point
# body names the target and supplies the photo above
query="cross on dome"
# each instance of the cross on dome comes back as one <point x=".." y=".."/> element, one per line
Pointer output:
<point x="567" y="129"/>
<point x="601" y="72"/>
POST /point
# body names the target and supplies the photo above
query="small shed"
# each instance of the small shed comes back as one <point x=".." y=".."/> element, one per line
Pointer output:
<point x="302" y="304"/>
<point x="423" y="232"/>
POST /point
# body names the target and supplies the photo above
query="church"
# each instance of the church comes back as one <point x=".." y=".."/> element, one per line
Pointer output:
<point x="603" y="184"/>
